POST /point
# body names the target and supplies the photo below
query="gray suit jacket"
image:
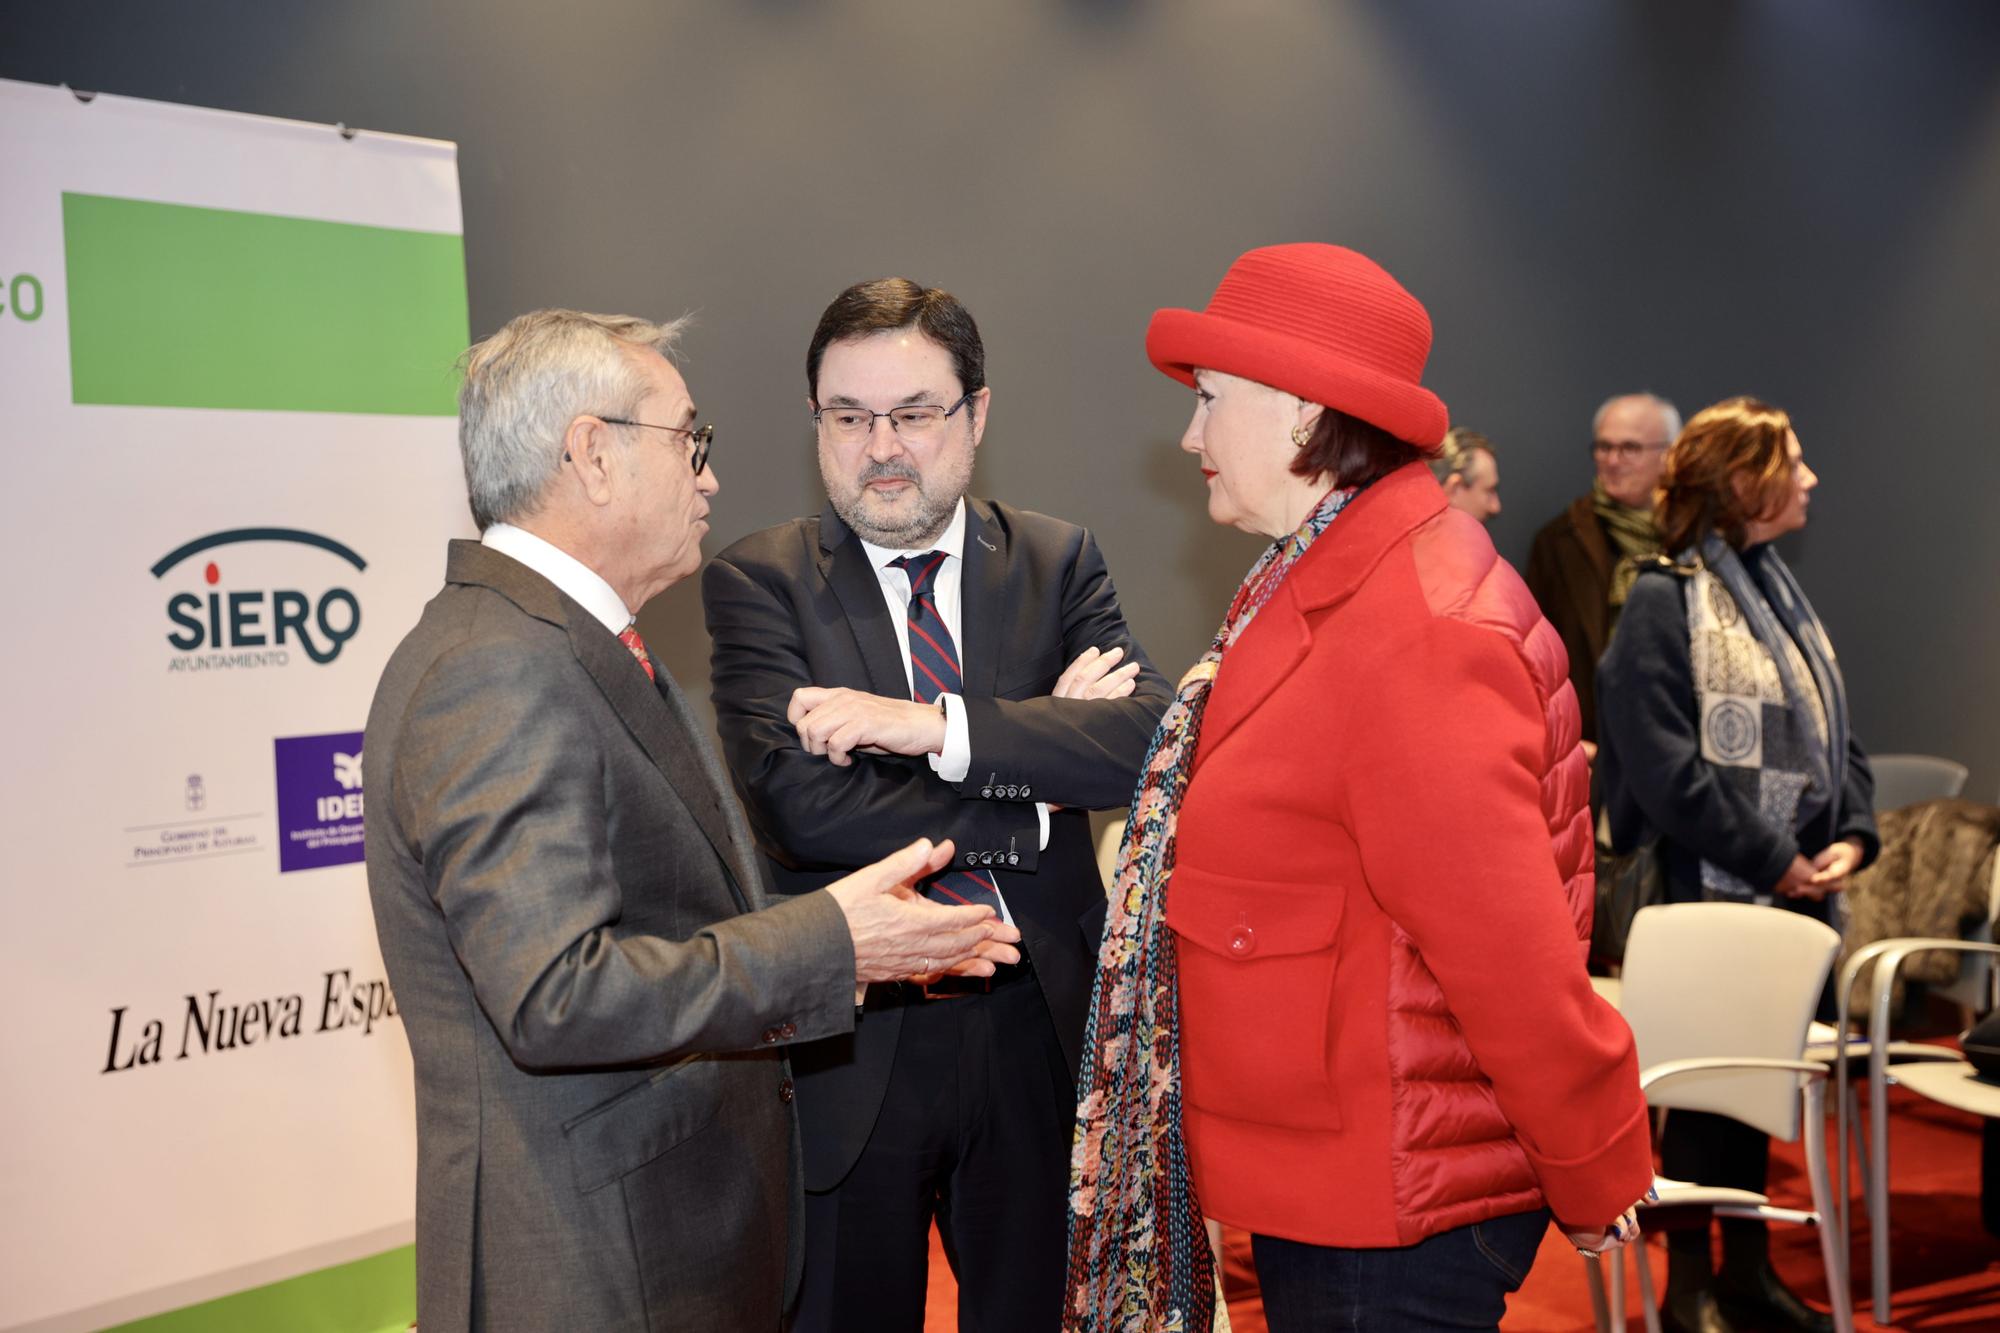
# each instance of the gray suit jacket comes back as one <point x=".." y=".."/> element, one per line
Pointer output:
<point x="567" y="903"/>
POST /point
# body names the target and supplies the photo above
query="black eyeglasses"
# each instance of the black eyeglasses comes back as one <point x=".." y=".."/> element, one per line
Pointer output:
<point x="701" y="437"/>
<point x="1624" y="450"/>
<point x="913" y="421"/>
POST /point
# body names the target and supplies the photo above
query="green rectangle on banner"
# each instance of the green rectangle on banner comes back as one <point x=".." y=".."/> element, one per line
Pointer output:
<point x="372" y="1295"/>
<point x="173" y="306"/>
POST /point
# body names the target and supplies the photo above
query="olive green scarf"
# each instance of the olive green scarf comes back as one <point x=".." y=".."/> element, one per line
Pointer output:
<point x="1634" y="534"/>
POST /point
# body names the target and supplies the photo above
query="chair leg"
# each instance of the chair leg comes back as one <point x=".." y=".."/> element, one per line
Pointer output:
<point x="1617" y="1285"/>
<point x="1860" y="1141"/>
<point x="1853" y="1147"/>
<point x="1600" y="1313"/>
<point x="1831" y="1248"/>
<point x="1878" y="1198"/>
<point x="1649" y="1303"/>
<point x="1867" y="1181"/>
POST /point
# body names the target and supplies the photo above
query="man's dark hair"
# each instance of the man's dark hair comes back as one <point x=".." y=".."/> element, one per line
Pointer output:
<point x="898" y="303"/>
<point x="1348" y="451"/>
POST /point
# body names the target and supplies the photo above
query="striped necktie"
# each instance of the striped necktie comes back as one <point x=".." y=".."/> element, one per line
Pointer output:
<point x="934" y="670"/>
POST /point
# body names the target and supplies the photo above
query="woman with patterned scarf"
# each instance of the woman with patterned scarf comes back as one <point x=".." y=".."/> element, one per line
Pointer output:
<point x="1341" y="1000"/>
<point x="1723" y="724"/>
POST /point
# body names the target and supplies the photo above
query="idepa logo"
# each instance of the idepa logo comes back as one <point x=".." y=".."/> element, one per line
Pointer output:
<point x="320" y="800"/>
<point x="222" y="623"/>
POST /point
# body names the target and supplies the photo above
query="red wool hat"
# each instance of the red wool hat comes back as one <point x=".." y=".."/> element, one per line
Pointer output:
<point x="1320" y="321"/>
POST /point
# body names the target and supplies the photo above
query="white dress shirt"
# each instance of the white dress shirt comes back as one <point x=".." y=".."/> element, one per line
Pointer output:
<point x="947" y="588"/>
<point x="582" y="584"/>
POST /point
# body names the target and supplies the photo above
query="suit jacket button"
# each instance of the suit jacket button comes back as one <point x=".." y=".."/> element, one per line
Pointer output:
<point x="1025" y="792"/>
<point x="789" y="1030"/>
<point x="972" y="858"/>
<point x="1012" y="791"/>
<point x="986" y="793"/>
<point x="771" y="1036"/>
<point x="785" y="1091"/>
<point x="1013" y="858"/>
<point x="1242" y="941"/>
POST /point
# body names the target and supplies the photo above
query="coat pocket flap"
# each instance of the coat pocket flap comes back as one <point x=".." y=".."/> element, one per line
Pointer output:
<point x="643" y="1121"/>
<point x="1247" y="919"/>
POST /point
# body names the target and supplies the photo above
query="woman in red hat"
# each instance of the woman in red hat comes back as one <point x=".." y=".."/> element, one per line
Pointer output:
<point x="1341" y="1000"/>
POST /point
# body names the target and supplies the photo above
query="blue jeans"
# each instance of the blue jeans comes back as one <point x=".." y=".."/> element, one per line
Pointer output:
<point x="1456" y="1279"/>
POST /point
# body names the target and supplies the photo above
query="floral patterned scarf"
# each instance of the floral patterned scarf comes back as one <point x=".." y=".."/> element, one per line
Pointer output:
<point x="1139" y="1260"/>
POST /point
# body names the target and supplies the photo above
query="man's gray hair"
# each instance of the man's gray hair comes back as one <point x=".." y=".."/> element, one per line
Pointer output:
<point x="526" y="383"/>
<point x="1669" y="414"/>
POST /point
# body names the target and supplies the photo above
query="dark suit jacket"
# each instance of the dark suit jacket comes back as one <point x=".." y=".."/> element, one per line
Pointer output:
<point x="1569" y="572"/>
<point x="798" y="604"/>
<point x="564" y="896"/>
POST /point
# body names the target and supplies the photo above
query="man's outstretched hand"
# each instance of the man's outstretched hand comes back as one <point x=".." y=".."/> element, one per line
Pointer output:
<point x="899" y="934"/>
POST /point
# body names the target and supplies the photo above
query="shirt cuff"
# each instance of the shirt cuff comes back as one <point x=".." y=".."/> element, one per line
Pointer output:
<point x="955" y="760"/>
<point x="1042" y="819"/>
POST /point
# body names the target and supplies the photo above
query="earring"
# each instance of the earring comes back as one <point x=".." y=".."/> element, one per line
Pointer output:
<point x="1299" y="437"/>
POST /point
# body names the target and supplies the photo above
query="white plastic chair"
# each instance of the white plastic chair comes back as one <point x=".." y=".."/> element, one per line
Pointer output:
<point x="1719" y="997"/>
<point x="1976" y="988"/>
<point x="1905" y="779"/>
<point x="1847" y="1096"/>
<point x="1931" y="1071"/>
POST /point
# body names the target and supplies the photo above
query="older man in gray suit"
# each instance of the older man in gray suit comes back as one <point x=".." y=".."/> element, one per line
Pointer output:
<point x="596" y="997"/>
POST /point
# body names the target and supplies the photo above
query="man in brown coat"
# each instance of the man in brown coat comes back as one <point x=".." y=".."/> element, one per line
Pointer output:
<point x="1583" y="561"/>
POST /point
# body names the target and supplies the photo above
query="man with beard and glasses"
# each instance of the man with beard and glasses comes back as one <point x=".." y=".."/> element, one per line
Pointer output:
<point x="916" y="662"/>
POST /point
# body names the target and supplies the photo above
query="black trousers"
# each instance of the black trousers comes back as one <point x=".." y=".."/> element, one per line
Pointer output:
<point x="974" y="1132"/>
<point x="1716" y="1150"/>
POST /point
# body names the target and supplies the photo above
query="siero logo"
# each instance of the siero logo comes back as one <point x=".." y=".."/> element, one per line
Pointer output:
<point x="319" y="800"/>
<point x="224" y="626"/>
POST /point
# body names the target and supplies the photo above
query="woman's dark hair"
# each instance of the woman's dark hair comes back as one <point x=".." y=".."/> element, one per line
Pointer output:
<point x="1348" y="451"/>
<point x="1697" y="493"/>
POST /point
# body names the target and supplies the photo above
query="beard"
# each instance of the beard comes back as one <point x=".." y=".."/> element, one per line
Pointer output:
<point x="916" y="517"/>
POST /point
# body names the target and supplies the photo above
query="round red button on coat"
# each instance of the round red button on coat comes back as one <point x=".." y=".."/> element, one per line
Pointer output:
<point x="1242" y="941"/>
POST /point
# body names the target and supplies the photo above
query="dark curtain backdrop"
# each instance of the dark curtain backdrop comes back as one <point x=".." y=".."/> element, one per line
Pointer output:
<point x="1796" y="198"/>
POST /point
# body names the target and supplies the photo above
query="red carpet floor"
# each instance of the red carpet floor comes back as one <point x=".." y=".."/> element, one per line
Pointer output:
<point x="1946" y="1268"/>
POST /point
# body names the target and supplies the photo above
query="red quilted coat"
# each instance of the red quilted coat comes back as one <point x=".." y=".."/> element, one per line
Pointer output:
<point x="1382" y="903"/>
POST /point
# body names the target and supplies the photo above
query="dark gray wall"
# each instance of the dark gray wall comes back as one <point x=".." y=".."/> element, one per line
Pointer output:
<point x="1798" y="199"/>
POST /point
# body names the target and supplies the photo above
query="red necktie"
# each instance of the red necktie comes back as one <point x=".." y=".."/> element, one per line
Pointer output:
<point x="630" y="638"/>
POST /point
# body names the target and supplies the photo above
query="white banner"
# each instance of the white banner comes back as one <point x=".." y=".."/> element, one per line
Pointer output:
<point x="231" y="468"/>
